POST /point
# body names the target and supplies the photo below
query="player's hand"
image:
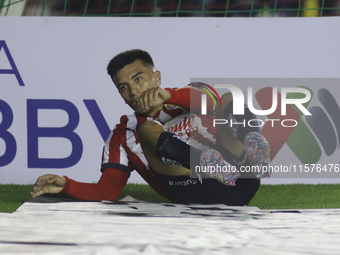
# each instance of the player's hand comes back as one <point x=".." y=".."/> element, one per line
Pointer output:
<point x="153" y="97"/>
<point x="48" y="183"/>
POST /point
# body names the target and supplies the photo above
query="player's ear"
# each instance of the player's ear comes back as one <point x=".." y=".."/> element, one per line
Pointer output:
<point x="158" y="79"/>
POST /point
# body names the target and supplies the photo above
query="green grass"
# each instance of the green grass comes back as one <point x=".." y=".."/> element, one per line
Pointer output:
<point x="13" y="196"/>
<point x="292" y="196"/>
<point x="297" y="196"/>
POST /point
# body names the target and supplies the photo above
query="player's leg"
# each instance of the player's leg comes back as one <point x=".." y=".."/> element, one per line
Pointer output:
<point x="257" y="148"/>
<point x="149" y="133"/>
<point x="176" y="179"/>
<point x="160" y="146"/>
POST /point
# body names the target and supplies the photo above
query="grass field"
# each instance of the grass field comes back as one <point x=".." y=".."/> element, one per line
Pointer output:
<point x="292" y="196"/>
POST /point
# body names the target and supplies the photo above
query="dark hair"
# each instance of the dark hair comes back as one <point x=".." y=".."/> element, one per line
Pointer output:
<point x="126" y="58"/>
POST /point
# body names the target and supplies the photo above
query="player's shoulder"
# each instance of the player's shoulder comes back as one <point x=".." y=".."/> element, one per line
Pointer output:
<point x="125" y="121"/>
<point x="119" y="130"/>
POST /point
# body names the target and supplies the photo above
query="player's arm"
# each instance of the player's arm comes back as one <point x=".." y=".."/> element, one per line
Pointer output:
<point x="187" y="97"/>
<point x="182" y="96"/>
<point x="108" y="187"/>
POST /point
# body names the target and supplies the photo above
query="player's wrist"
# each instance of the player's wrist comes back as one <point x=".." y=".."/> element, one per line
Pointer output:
<point x="67" y="184"/>
<point x="170" y="96"/>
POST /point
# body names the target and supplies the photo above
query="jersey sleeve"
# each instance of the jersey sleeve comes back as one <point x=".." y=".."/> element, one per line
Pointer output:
<point x="108" y="187"/>
<point x="189" y="97"/>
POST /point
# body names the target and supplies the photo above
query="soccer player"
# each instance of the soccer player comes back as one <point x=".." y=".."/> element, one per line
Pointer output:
<point x="165" y="139"/>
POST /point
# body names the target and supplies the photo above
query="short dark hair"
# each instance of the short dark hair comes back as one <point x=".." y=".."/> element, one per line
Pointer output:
<point x="126" y="58"/>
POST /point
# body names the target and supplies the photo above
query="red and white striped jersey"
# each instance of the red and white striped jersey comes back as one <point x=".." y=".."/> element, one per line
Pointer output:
<point x="123" y="151"/>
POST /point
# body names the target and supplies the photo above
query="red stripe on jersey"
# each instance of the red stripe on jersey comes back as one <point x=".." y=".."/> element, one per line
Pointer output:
<point x="116" y="154"/>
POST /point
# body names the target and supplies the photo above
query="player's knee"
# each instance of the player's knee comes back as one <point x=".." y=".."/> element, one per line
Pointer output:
<point x="226" y="98"/>
<point x="150" y="129"/>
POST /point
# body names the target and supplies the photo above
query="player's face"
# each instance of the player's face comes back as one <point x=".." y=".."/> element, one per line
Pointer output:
<point x="133" y="80"/>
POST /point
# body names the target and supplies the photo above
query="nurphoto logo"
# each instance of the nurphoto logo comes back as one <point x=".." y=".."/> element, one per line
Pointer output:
<point x="239" y="102"/>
